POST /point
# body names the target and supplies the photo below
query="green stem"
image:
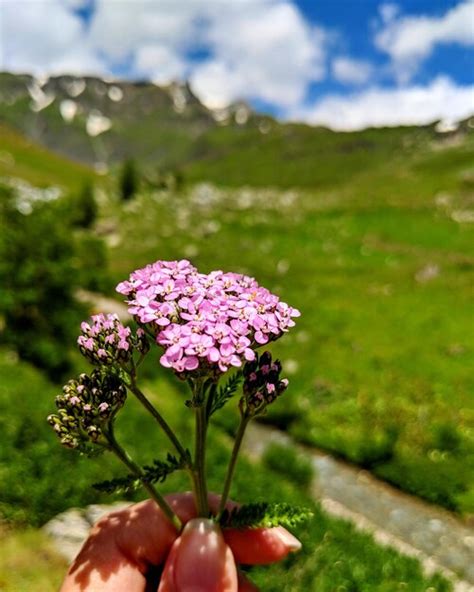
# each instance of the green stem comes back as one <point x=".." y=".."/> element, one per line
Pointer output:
<point x="200" y="453"/>
<point x="167" y="429"/>
<point x="233" y="459"/>
<point x="122" y="454"/>
<point x="159" y="418"/>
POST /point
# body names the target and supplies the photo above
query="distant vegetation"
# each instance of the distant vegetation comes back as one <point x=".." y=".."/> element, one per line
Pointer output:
<point x="42" y="262"/>
<point x="128" y="180"/>
<point x="370" y="234"/>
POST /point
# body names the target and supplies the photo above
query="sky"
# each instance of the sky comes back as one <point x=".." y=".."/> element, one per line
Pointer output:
<point x="346" y="64"/>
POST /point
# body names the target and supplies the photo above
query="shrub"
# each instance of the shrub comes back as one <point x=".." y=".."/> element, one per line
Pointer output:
<point x="42" y="263"/>
<point x="287" y="461"/>
<point x="86" y="209"/>
<point x="128" y="180"/>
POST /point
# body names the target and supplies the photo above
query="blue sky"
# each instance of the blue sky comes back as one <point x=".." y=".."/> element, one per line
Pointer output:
<point x="347" y="64"/>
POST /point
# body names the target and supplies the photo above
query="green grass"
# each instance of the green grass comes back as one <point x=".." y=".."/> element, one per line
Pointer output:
<point x="40" y="479"/>
<point x="381" y="363"/>
<point x="382" y="356"/>
<point x="28" y="562"/>
<point x="23" y="159"/>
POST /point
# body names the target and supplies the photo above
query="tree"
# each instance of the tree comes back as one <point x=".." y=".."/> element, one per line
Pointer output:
<point x="38" y="274"/>
<point x="86" y="206"/>
<point x="128" y="180"/>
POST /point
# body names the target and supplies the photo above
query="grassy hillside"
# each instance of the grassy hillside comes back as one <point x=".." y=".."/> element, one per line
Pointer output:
<point x="382" y="268"/>
<point x="167" y="128"/>
<point x="369" y="234"/>
<point x="378" y="255"/>
<point x="26" y="160"/>
<point x="39" y="479"/>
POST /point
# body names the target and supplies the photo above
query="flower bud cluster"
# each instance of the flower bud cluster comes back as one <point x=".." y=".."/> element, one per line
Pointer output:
<point x="85" y="406"/>
<point x="106" y="340"/>
<point x="206" y="323"/>
<point x="262" y="383"/>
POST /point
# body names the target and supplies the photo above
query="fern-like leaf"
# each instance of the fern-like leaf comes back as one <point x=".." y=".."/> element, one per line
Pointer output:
<point x="264" y="515"/>
<point x="224" y="393"/>
<point x="155" y="473"/>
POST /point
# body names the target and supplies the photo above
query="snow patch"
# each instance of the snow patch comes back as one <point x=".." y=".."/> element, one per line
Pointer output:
<point x="242" y="114"/>
<point x="446" y="126"/>
<point x="75" y="87"/>
<point x="68" y="110"/>
<point x="97" y="123"/>
<point x="179" y="96"/>
<point x="115" y="93"/>
<point x="40" y="99"/>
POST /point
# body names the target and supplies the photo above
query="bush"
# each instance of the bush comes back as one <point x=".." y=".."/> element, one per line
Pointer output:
<point x="42" y="263"/>
<point x="38" y="276"/>
<point x="439" y="480"/>
<point x="288" y="462"/>
<point x="86" y="209"/>
<point x="128" y="180"/>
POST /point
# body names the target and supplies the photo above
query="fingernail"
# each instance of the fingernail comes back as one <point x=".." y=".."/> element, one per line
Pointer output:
<point x="289" y="540"/>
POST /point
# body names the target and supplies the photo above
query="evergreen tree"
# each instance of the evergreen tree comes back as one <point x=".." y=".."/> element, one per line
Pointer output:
<point x="86" y="206"/>
<point x="128" y="180"/>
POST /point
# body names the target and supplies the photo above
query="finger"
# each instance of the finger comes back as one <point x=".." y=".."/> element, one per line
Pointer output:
<point x="259" y="546"/>
<point x="245" y="585"/>
<point x="123" y="544"/>
<point x="200" y="561"/>
<point x="101" y="566"/>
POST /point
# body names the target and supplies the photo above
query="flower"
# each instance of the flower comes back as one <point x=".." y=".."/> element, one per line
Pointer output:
<point x="206" y="323"/>
<point x="106" y="340"/>
<point x="85" y="407"/>
<point x="262" y="383"/>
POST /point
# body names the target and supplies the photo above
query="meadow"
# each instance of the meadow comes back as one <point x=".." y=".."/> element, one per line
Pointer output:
<point x="378" y="254"/>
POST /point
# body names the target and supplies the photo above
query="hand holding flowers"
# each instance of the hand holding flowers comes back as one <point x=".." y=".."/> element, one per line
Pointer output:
<point x="206" y="326"/>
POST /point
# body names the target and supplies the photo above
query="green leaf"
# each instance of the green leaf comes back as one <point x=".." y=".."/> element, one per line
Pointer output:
<point x="264" y="515"/>
<point x="155" y="473"/>
<point x="220" y="397"/>
<point x="159" y="471"/>
<point x="118" y="485"/>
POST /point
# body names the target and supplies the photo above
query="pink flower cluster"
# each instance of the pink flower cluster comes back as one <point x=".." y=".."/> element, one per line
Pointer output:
<point x="205" y="321"/>
<point x="105" y="339"/>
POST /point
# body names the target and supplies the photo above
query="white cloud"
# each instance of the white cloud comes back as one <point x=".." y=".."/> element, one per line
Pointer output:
<point x="351" y="71"/>
<point x="44" y="37"/>
<point x="388" y="11"/>
<point x="377" y="107"/>
<point x="266" y="51"/>
<point x="261" y="49"/>
<point x="409" y="40"/>
<point x="120" y="27"/>
<point x="159" y="64"/>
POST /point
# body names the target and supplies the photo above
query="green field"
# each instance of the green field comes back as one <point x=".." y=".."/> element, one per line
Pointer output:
<point x="381" y="361"/>
<point x="39" y="479"/>
<point x="371" y="236"/>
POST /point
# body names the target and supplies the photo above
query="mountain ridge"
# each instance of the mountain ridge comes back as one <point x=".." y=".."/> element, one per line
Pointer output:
<point x="102" y="122"/>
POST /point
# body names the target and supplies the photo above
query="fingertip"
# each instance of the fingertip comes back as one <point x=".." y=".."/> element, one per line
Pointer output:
<point x="260" y="546"/>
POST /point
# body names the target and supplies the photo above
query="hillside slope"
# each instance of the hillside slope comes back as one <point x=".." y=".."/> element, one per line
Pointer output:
<point x="104" y="122"/>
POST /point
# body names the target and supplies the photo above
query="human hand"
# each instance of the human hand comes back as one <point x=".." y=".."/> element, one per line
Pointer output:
<point x="125" y="546"/>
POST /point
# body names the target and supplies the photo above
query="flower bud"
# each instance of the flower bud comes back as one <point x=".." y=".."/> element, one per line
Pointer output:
<point x="106" y="341"/>
<point x="85" y="406"/>
<point x="262" y="383"/>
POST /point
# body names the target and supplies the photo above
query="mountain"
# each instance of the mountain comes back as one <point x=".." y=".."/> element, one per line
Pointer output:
<point x="103" y="122"/>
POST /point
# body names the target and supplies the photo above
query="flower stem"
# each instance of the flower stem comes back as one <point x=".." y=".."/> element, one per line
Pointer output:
<point x="167" y="429"/>
<point x="122" y="454"/>
<point x="233" y="459"/>
<point x="159" y="418"/>
<point x="200" y="452"/>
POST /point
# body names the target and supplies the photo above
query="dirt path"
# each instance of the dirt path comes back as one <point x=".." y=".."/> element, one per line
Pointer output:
<point x="436" y="537"/>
